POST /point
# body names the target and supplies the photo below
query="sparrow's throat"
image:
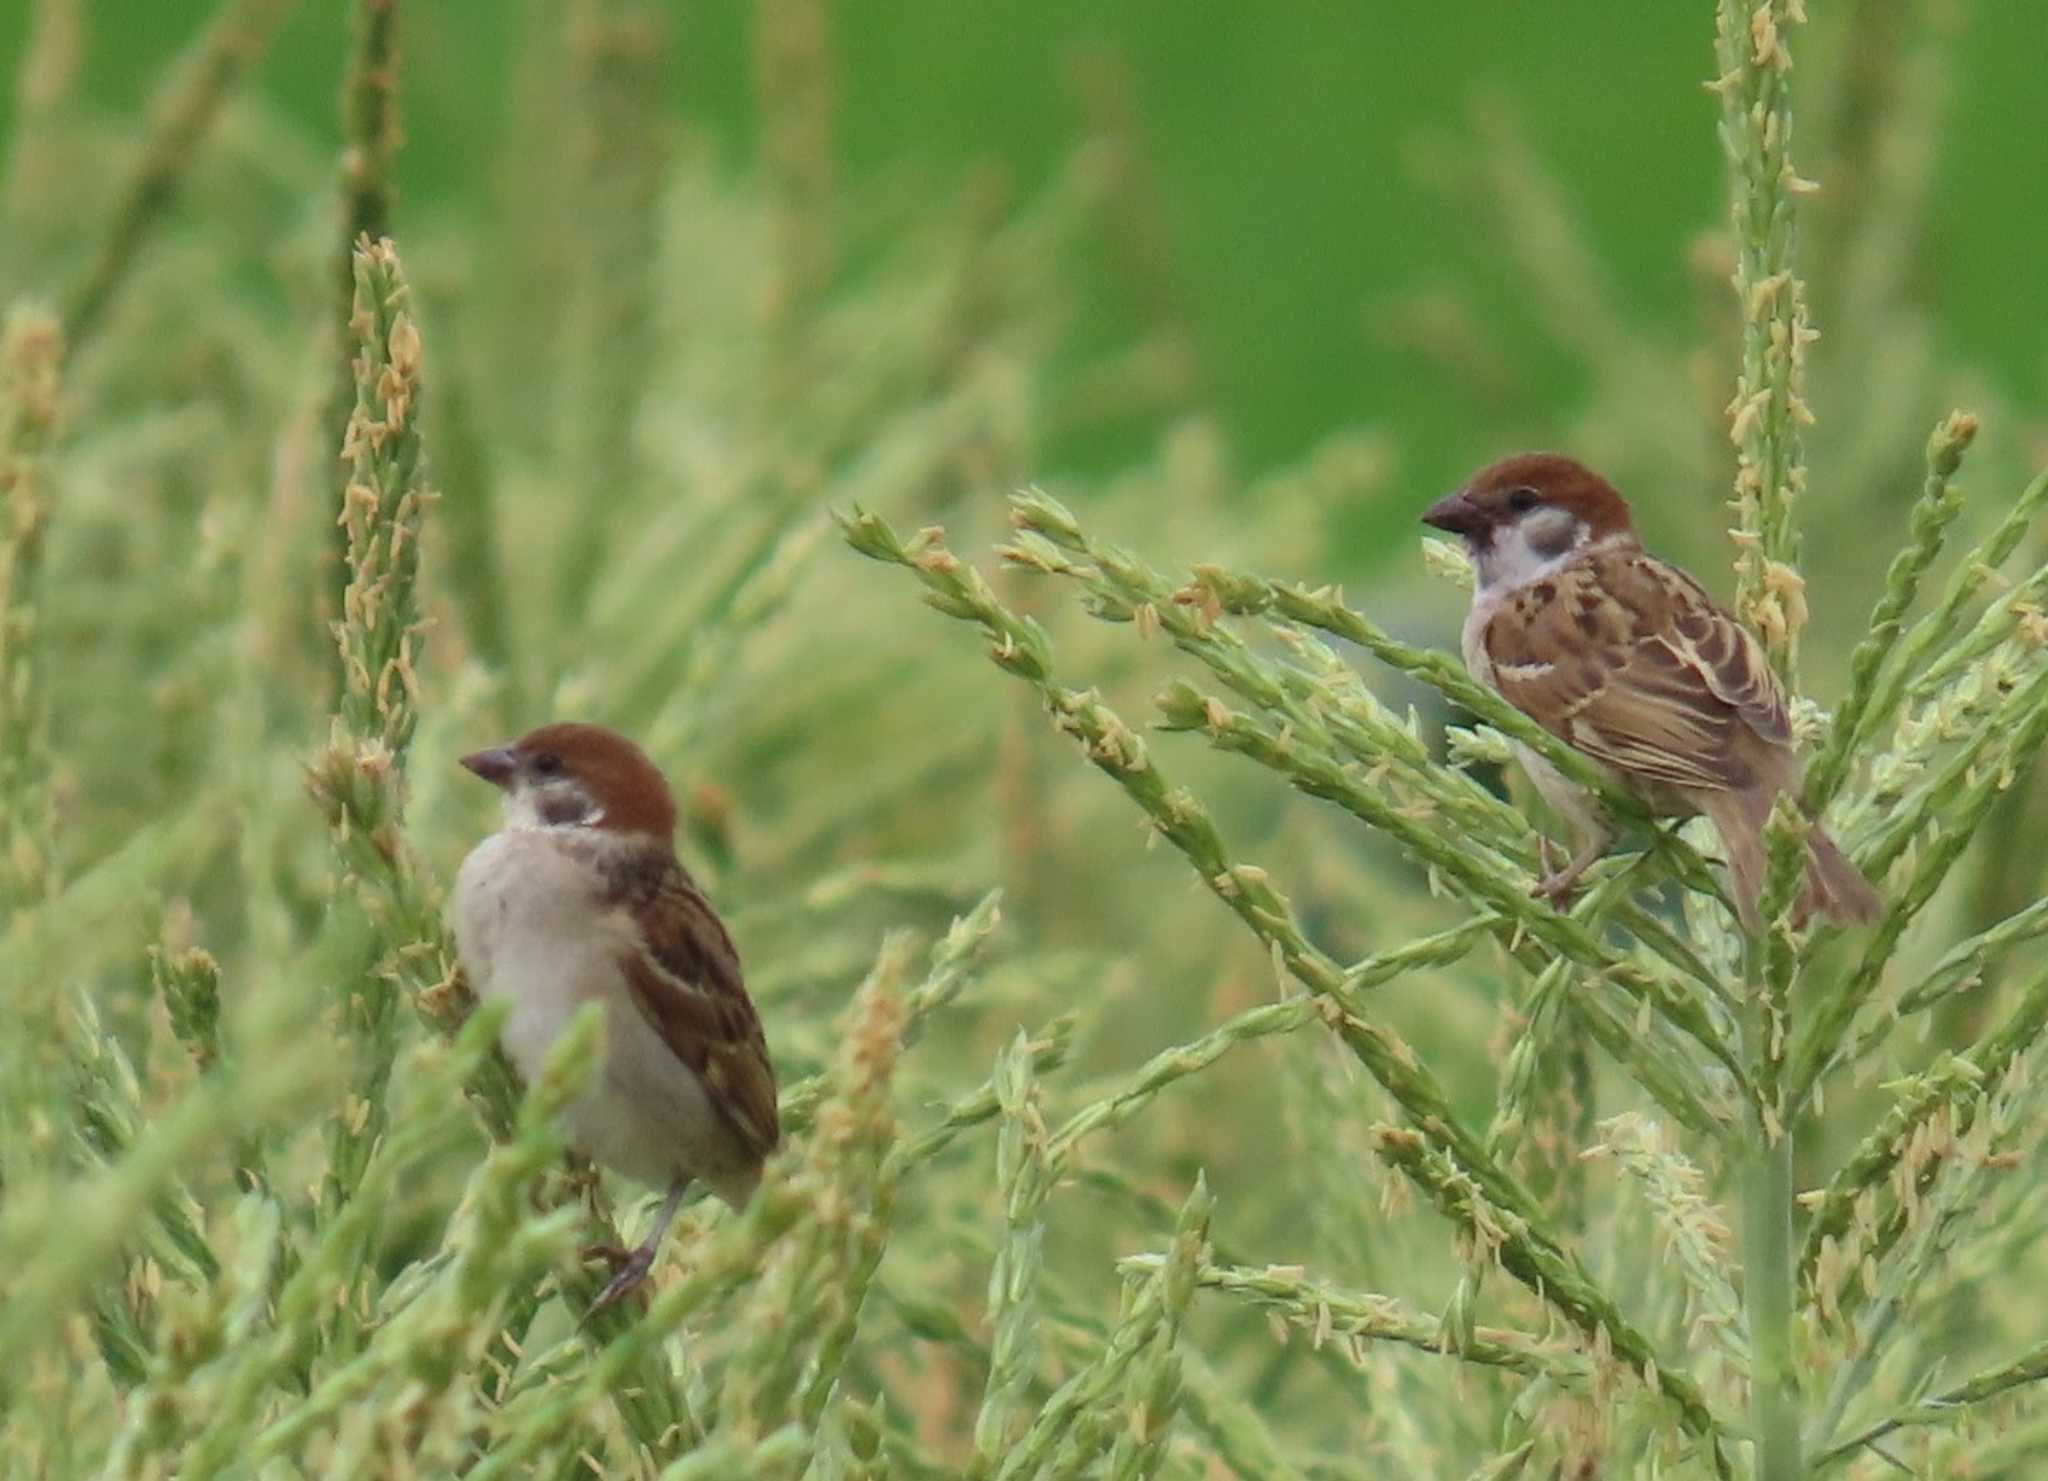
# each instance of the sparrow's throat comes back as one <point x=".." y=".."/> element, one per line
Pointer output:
<point x="1528" y="549"/>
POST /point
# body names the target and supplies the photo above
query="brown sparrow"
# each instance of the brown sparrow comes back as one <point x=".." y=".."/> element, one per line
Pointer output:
<point x="1629" y="661"/>
<point x="580" y="898"/>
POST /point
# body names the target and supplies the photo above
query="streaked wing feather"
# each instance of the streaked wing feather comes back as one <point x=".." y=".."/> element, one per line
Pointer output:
<point x="1728" y="657"/>
<point x="687" y="985"/>
<point x="1632" y="663"/>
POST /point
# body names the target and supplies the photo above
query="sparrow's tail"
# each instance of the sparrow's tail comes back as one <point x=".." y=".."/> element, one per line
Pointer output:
<point x="1834" y="886"/>
<point x="1742" y="840"/>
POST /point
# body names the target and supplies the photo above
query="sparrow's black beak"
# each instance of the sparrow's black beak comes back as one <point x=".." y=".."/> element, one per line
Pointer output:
<point x="1456" y="513"/>
<point x="494" y="766"/>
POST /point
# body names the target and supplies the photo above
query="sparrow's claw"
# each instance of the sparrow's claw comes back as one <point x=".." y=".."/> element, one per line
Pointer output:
<point x="1557" y="884"/>
<point x="611" y="1254"/>
<point x="633" y="1266"/>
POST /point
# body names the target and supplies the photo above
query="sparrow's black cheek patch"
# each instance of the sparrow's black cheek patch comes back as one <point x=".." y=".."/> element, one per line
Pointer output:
<point x="560" y="807"/>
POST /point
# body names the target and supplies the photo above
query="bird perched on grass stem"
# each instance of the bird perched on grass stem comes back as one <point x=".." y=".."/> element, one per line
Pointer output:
<point x="1629" y="661"/>
<point x="580" y="898"/>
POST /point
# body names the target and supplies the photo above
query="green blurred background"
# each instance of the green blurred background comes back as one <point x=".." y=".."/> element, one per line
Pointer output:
<point x="1301" y="165"/>
<point x="1343" y="255"/>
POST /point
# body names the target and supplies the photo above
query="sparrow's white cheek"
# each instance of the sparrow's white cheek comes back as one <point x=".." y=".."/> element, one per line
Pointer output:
<point x="1512" y="559"/>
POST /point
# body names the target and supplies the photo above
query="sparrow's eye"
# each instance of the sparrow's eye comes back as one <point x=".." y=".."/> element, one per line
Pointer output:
<point x="1522" y="500"/>
<point x="547" y="763"/>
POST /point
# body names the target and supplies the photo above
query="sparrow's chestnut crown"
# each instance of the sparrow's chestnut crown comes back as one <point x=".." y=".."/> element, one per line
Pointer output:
<point x="1503" y="492"/>
<point x="576" y="775"/>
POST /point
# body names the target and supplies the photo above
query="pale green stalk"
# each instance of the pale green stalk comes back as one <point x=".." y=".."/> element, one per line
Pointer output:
<point x="700" y="664"/>
<point x="46" y="86"/>
<point x="1956" y="1086"/>
<point x="954" y="957"/>
<point x="797" y="81"/>
<point x="1025" y="1174"/>
<point x="1939" y="503"/>
<point x="1019" y="646"/>
<point x="2016" y="615"/>
<point x="1917" y="650"/>
<point x="1050" y="1047"/>
<point x="370" y="138"/>
<point x="226" y="1318"/>
<point x="731" y="1258"/>
<point x="442" y="1331"/>
<point x="1948" y="1406"/>
<point x="31" y="355"/>
<point x="1123" y="588"/>
<point x="188" y="980"/>
<point x="108" y="1110"/>
<point x="305" y="1302"/>
<point x="371" y="135"/>
<point x="1552" y="1273"/>
<point x="1538" y="1017"/>
<point x="1693" y="1229"/>
<point x="1981" y="710"/>
<point x="203" y="78"/>
<point x="1506" y="1467"/>
<point x="1967" y="793"/>
<point x="1328" y="1314"/>
<point x="1283" y="749"/>
<point x="384" y="500"/>
<point x="811" y="1300"/>
<point x="1152" y="1390"/>
<point x="1239" y="1436"/>
<point x="1169" y="1066"/>
<point x="1752" y="49"/>
<point x="781" y="1454"/>
<point x="1958" y="1165"/>
<point x="1963" y="968"/>
<point x="851" y="1442"/>
<point x="615" y="56"/>
<point x="57" y="1240"/>
<point x="111" y="1116"/>
<point x="1764" y="1168"/>
<point x="1090" y="1390"/>
<point x="1974" y="572"/>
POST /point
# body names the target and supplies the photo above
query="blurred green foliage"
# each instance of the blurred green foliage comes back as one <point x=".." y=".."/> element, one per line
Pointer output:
<point x="1243" y="287"/>
<point x="1302" y="163"/>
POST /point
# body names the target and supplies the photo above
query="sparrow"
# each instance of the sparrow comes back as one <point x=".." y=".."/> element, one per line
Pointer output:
<point x="580" y="898"/>
<point x="1628" y="660"/>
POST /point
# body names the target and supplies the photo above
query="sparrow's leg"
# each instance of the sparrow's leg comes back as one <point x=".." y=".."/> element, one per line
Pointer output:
<point x="1580" y="810"/>
<point x="634" y="1264"/>
<point x="1557" y="884"/>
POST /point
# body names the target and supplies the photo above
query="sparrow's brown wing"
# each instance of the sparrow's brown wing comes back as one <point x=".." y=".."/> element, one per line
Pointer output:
<point x="686" y="983"/>
<point x="1631" y="661"/>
